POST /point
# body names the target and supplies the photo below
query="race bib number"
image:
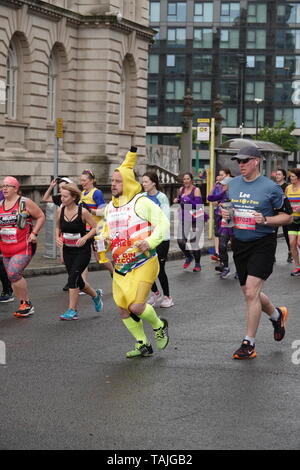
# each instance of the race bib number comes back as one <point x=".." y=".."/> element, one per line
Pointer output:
<point x="70" y="239"/>
<point x="244" y="219"/>
<point x="9" y="235"/>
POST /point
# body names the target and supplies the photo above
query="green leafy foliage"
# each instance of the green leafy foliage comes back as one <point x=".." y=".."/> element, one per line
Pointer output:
<point x="280" y="134"/>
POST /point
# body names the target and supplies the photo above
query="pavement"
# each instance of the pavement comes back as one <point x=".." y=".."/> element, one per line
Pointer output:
<point x="68" y="385"/>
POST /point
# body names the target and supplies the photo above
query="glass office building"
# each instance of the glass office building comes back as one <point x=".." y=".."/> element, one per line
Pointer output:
<point x="247" y="52"/>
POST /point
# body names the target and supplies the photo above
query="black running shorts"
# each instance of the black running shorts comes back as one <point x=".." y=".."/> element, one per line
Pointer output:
<point x="255" y="258"/>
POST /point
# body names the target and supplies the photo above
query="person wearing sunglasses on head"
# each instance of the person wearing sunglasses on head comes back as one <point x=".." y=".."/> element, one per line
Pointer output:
<point x="56" y="198"/>
<point x="259" y="205"/>
<point x="18" y="239"/>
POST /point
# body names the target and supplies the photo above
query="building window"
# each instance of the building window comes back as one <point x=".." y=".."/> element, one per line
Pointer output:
<point x="203" y="12"/>
<point x="257" y="13"/>
<point x="152" y="88"/>
<point x="154" y="12"/>
<point x="202" y="63"/>
<point x="288" y="39"/>
<point x="288" y="115"/>
<point x="203" y="38"/>
<point x="288" y="13"/>
<point x="229" y="39"/>
<point x="152" y="116"/>
<point x="153" y="63"/>
<point x="175" y="89"/>
<point x="175" y="63"/>
<point x="176" y="11"/>
<point x="256" y="39"/>
<point x="174" y="115"/>
<point x="287" y="66"/>
<point x="229" y="65"/>
<point x="202" y="90"/>
<point x="152" y="139"/>
<point x="254" y="90"/>
<point x="11" y="82"/>
<point x="283" y="92"/>
<point x="203" y="112"/>
<point x="176" y="37"/>
<point x="229" y="91"/>
<point x="230" y="12"/>
<point x="230" y="117"/>
<point x="256" y="65"/>
<point x="51" y="91"/>
<point x="250" y="116"/>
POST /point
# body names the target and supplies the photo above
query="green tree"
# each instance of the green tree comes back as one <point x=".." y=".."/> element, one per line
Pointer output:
<point x="280" y="134"/>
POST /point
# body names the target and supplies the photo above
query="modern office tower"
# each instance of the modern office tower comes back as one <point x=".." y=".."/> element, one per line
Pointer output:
<point x="247" y="52"/>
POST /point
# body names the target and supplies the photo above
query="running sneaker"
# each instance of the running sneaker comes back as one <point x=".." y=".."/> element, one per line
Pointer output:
<point x="26" y="308"/>
<point x="197" y="268"/>
<point x="289" y="258"/>
<point x="215" y="257"/>
<point x="295" y="272"/>
<point x="155" y="298"/>
<point x="7" y="297"/>
<point x="166" y="302"/>
<point x="140" y="350"/>
<point x="236" y="276"/>
<point x="219" y="268"/>
<point x="225" y="273"/>
<point x="279" y="325"/>
<point x="98" y="300"/>
<point x="187" y="262"/>
<point x="246" y="351"/>
<point x="66" y="288"/>
<point x="70" y="314"/>
<point x="161" y="335"/>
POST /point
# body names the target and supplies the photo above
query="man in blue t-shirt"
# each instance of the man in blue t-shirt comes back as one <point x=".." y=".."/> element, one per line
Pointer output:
<point x="258" y="206"/>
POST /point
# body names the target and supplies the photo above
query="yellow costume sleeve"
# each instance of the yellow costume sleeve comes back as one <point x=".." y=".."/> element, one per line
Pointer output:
<point x="148" y="210"/>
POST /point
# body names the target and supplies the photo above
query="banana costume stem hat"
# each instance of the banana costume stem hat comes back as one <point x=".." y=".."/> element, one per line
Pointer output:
<point x="131" y="187"/>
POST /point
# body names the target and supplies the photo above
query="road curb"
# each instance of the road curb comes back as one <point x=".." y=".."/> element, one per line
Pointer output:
<point x="94" y="266"/>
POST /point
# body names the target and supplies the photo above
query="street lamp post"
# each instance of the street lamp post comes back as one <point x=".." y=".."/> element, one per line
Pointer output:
<point x="257" y="101"/>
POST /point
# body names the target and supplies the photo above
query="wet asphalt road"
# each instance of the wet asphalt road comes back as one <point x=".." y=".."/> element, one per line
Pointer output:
<point x="67" y="385"/>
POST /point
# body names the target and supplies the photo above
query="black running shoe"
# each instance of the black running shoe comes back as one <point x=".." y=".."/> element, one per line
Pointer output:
<point x="279" y="325"/>
<point x="66" y="288"/>
<point x="246" y="351"/>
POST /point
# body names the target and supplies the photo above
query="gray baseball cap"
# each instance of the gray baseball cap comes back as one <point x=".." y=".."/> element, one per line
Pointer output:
<point x="248" y="152"/>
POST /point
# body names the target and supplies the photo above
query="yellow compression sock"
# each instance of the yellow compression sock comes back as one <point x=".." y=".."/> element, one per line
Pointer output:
<point x="136" y="329"/>
<point x="150" y="315"/>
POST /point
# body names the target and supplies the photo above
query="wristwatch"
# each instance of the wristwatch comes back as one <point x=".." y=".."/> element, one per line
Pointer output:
<point x="265" y="221"/>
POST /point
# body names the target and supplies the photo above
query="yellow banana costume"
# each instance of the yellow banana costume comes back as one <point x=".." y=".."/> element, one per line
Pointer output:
<point x="129" y="219"/>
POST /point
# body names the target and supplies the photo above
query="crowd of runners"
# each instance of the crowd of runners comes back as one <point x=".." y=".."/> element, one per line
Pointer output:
<point x="135" y="227"/>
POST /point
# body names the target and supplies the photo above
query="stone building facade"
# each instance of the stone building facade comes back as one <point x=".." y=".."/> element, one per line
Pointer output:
<point x="84" y="61"/>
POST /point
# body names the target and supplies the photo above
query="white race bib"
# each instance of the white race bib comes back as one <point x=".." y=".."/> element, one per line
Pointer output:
<point x="244" y="219"/>
<point x="70" y="239"/>
<point x="9" y="235"/>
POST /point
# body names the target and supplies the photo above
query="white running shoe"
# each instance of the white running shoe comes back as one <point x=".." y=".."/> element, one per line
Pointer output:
<point x="154" y="298"/>
<point x="166" y="302"/>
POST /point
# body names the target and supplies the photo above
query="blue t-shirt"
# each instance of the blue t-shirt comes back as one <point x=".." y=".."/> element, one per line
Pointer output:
<point x="261" y="195"/>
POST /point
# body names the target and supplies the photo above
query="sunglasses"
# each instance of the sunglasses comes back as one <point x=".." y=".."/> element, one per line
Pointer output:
<point x="88" y="172"/>
<point x="244" y="160"/>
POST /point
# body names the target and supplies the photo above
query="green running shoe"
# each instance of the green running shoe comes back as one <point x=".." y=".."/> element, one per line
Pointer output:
<point x="141" y="350"/>
<point x="161" y="335"/>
